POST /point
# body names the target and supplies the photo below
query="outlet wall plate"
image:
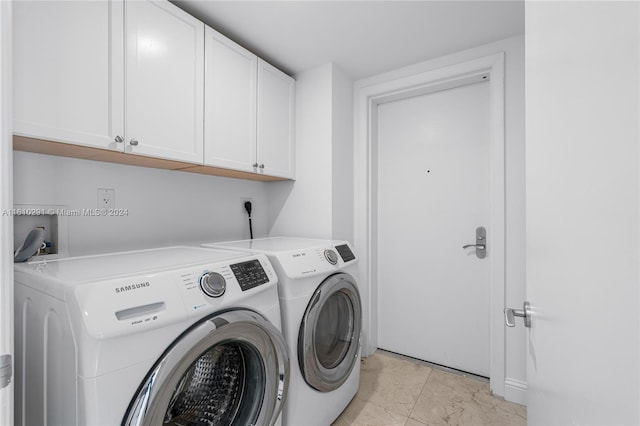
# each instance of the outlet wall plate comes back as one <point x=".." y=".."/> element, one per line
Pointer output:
<point x="106" y="198"/>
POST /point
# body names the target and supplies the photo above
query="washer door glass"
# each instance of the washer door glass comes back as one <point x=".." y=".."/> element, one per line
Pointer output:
<point x="230" y="369"/>
<point x="329" y="337"/>
<point x="334" y="329"/>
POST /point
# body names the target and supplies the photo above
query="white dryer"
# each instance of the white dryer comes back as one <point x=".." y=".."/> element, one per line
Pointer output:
<point x="321" y="321"/>
<point x="173" y="336"/>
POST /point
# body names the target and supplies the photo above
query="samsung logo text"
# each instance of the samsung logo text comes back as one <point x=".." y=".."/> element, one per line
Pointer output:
<point x="132" y="287"/>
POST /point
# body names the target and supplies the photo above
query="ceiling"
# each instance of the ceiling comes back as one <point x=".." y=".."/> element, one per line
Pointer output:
<point x="364" y="38"/>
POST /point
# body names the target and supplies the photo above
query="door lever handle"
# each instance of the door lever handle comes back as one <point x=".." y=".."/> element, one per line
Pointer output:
<point x="481" y="243"/>
<point x="478" y="246"/>
<point x="511" y="314"/>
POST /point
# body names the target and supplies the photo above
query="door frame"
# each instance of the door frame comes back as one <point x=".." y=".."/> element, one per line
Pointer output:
<point x="367" y="99"/>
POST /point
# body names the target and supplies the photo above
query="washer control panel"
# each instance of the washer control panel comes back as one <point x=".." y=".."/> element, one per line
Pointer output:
<point x="213" y="284"/>
<point x="249" y="274"/>
<point x="156" y="299"/>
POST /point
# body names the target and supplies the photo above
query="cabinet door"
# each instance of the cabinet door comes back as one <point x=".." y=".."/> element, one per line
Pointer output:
<point x="164" y="81"/>
<point x="276" y="149"/>
<point x="230" y="104"/>
<point x="68" y="71"/>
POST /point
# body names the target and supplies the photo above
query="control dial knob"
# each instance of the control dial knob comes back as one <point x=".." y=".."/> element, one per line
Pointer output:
<point x="213" y="284"/>
<point x="331" y="256"/>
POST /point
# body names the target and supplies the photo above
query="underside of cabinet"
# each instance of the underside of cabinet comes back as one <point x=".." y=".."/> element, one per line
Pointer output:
<point x="39" y="146"/>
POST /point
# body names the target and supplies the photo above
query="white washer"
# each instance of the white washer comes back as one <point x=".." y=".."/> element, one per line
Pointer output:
<point x="178" y="335"/>
<point x="321" y="321"/>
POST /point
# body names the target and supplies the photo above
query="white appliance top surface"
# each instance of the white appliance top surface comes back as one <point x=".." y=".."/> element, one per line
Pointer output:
<point x="98" y="267"/>
<point x="273" y="244"/>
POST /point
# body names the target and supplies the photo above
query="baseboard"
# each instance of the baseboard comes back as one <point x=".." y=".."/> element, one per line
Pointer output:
<point x="515" y="391"/>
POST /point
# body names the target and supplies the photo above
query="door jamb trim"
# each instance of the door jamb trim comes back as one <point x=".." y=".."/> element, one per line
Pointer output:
<point x="367" y="99"/>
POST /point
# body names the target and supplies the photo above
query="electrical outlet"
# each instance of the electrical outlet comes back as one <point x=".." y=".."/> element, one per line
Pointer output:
<point x="106" y="198"/>
<point x="244" y="200"/>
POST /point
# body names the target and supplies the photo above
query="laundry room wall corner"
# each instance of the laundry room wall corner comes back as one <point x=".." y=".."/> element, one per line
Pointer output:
<point x="306" y="209"/>
<point x="319" y="204"/>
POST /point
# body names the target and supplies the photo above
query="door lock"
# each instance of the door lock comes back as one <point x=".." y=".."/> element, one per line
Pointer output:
<point x="511" y="314"/>
<point x="481" y="243"/>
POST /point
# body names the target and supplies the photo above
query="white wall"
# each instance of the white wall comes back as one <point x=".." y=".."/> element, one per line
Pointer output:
<point x="319" y="203"/>
<point x="515" y="205"/>
<point x="165" y="207"/>
<point x="342" y="155"/>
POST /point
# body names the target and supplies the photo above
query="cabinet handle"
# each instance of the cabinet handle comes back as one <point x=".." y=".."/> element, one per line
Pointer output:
<point x="133" y="142"/>
<point x="255" y="165"/>
<point x="261" y="166"/>
<point x="119" y="139"/>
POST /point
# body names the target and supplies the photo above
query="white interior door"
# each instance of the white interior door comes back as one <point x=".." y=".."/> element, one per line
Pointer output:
<point x="582" y="103"/>
<point x="433" y="192"/>
<point x="6" y="221"/>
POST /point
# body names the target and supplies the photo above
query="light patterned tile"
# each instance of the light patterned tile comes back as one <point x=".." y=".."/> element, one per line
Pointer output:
<point x="412" y="422"/>
<point x="388" y="384"/>
<point x="362" y="413"/>
<point x="449" y="399"/>
<point x="392" y="383"/>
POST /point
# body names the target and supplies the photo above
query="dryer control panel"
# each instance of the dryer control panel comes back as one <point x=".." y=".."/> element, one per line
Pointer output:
<point x="317" y="260"/>
<point x="345" y="253"/>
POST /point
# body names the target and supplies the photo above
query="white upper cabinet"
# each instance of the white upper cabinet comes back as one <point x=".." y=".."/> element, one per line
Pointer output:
<point x="276" y="149"/>
<point x="79" y="66"/>
<point x="230" y="104"/>
<point x="144" y="77"/>
<point x="164" y="81"/>
<point x="68" y="71"/>
<point x="248" y="111"/>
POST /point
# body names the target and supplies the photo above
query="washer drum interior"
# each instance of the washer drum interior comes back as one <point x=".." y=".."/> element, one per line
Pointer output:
<point x="229" y="369"/>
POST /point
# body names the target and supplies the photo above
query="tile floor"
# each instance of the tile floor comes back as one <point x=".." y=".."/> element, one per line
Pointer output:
<point x="399" y="391"/>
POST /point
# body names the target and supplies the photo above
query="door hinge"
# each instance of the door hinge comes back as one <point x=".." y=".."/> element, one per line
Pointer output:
<point x="6" y="370"/>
